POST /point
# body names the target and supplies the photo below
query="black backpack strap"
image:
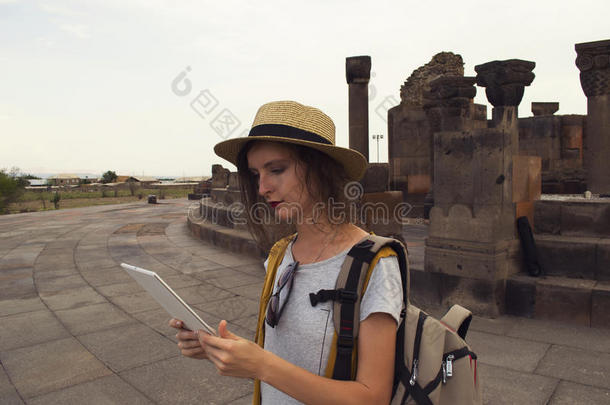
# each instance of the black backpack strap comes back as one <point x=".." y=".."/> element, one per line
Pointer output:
<point x="346" y="297"/>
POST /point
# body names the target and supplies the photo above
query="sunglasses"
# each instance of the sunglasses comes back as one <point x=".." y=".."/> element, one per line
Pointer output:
<point x="275" y="307"/>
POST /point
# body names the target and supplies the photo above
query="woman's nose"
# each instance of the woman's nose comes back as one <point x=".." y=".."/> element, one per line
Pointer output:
<point x="263" y="184"/>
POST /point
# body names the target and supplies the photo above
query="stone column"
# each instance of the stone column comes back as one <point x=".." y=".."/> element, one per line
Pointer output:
<point x="358" y="73"/>
<point x="472" y="246"/>
<point x="593" y="61"/>
<point x="504" y="82"/>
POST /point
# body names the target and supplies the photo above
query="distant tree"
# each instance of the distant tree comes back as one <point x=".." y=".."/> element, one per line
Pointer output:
<point x="31" y="176"/>
<point x="12" y="187"/>
<point x="109" y="177"/>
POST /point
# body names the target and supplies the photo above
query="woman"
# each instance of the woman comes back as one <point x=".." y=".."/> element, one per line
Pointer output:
<point x="290" y="161"/>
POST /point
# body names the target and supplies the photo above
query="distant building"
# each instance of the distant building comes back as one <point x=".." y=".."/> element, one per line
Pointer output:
<point x="192" y="179"/>
<point x="64" y="179"/>
<point x="143" y="180"/>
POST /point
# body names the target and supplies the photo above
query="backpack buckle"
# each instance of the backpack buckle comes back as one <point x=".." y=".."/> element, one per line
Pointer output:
<point x="346" y="296"/>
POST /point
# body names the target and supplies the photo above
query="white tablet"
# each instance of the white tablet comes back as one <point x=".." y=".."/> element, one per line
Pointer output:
<point x="168" y="299"/>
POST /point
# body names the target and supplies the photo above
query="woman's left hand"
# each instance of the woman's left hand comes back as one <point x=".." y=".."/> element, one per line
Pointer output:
<point x="231" y="354"/>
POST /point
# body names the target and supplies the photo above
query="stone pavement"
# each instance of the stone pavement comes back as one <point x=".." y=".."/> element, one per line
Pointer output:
<point x="75" y="328"/>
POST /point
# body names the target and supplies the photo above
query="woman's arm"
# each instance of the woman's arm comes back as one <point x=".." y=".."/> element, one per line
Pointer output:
<point x="238" y="357"/>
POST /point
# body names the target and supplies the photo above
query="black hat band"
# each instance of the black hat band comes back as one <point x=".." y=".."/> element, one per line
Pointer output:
<point x="286" y="131"/>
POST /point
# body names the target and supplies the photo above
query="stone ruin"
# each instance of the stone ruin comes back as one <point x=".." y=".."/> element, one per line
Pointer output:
<point x="481" y="175"/>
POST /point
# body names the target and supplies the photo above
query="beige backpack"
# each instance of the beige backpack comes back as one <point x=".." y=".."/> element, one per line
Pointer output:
<point x="433" y="363"/>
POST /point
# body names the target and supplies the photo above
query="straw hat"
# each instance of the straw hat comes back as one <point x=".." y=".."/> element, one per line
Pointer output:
<point x="291" y="122"/>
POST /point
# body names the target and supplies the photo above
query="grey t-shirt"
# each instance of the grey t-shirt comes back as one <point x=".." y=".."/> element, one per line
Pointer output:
<point x="304" y="333"/>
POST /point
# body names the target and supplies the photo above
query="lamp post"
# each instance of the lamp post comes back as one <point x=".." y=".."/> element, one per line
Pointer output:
<point x="377" y="138"/>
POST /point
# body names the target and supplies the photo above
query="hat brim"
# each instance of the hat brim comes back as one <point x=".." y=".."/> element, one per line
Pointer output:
<point x="354" y="162"/>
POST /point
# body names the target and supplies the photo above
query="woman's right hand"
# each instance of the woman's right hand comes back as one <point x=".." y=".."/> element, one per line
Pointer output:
<point x="188" y="342"/>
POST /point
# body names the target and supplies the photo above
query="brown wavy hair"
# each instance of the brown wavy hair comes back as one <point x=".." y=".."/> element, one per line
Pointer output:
<point x="320" y="169"/>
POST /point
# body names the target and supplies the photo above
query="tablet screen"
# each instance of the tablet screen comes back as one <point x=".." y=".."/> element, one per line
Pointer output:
<point x="167" y="298"/>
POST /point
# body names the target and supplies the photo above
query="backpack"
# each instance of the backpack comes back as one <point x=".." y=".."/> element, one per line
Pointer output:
<point x="433" y="363"/>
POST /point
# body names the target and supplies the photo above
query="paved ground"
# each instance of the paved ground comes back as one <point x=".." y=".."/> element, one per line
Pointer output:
<point x="75" y="328"/>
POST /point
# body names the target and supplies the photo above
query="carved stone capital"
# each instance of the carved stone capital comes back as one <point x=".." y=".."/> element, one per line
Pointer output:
<point x="505" y="80"/>
<point x="593" y="61"/>
<point x="448" y="103"/>
<point x="358" y="69"/>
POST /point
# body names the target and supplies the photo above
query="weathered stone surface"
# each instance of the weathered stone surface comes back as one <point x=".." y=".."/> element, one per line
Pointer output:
<point x="358" y="73"/>
<point x="527" y="180"/>
<point x="600" y="303"/>
<point x="512" y="353"/>
<point x="92" y="318"/>
<point x="188" y="382"/>
<point x="383" y="213"/>
<point x="105" y="390"/>
<point x="569" y="393"/>
<point x="233" y="181"/>
<point x="561" y="333"/>
<point x="521" y="295"/>
<point x="230" y="308"/>
<point x="443" y="63"/>
<point x="449" y="103"/>
<point x="504" y="81"/>
<point x="7" y="391"/>
<point x="544" y="108"/>
<point x="567" y="256"/>
<point x="576" y="365"/>
<point x="376" y="178"/>
<point x="16" y="330"/>
<point x="499" y="386"/>
<point x="564" y="299"/>
<point x="129" y="346"/>
<point x="220" y="176"/>
<point x="58" y="364"/>
<point x="593" y="61"/>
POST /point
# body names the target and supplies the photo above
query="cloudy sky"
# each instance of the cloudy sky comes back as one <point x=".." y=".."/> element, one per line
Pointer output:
<point x="145" y="87"/>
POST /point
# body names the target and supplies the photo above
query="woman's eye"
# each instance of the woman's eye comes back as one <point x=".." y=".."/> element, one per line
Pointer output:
<point x="277" y="171"/>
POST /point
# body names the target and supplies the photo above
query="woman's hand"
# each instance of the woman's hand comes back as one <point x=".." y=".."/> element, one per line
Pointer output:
<point x="233" y="355"/>
<point x="188" y="342"/>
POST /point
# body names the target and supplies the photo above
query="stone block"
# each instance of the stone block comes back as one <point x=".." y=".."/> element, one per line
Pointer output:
<point x="233" y="181"/>
<point x="425" y="288"/>
<point x="129" y="346"/>
<point x="520" y="295"/>
<point x="507" y="352"/>
<point x="564" y="299"/>
<point x="92" y="318"/>
<point x="187" y="383"/>
<point x="376" y="178"/>
<point x="220" y="176"/>
<point x="58" y="364"/>
<point x="30" y="328"/>
<point x="568" y="393"/>
<point x="482" y="297"/>
<point x="547" y="216"/>
<point x="585" y="219"/>
<point x="498" y="386"/>
<point x="600" y="305"/>
<point x="577" y="365"/>
<point x="106" y="390"/>
<point x="527" y="179"/>
<point x="567" y="256"/>
<point x="602" y="260"/>
<point x="383" y="213"/>
<point x="418" y="183"/>
<point x="544" y="108"/>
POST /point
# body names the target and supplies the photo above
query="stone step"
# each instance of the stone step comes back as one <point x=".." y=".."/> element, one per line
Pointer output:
<point x="574" y="257"/>
<point x="236" y="240"/>
<point x="582" y="302"/>
<point x="573" y="216"/>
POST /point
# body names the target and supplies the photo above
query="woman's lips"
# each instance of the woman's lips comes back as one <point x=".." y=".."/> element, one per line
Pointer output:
<point x="274" y="203"/>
